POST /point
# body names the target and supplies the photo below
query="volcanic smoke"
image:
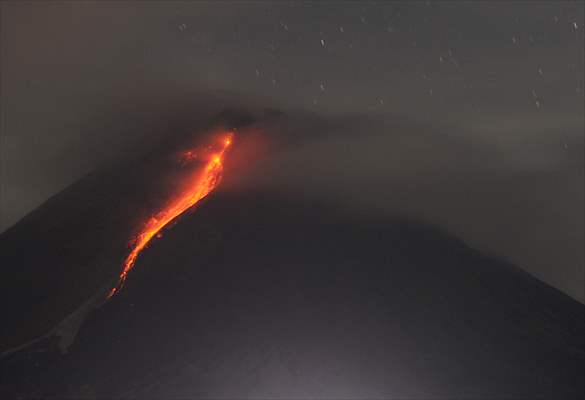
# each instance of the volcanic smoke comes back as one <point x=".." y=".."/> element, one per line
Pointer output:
<point x="200" y="186"/>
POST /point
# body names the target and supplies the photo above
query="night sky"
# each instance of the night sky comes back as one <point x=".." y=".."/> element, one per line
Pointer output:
<point x="467" y="115"/>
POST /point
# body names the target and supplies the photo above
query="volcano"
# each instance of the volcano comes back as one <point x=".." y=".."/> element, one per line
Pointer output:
<point x="258" y="295"/>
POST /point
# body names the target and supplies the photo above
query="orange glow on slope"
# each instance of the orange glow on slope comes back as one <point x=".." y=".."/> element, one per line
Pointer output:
<point x="200" y="187"/>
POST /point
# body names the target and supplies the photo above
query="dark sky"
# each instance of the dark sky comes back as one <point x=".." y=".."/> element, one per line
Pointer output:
<point x="470" y="114"/>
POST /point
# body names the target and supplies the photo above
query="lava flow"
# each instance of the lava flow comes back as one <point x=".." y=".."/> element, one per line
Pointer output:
<point x="200" y="187"/>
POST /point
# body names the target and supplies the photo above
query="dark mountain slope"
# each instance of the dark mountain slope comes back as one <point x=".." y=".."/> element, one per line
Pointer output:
<point x="257" y="295"/>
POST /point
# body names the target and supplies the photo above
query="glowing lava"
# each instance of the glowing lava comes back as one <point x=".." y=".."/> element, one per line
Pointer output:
<point x="201" y="185"/>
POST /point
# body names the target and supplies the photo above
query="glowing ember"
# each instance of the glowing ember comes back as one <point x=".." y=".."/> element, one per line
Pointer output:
<point x="188" y="157"/>
<point x="201" y="186"/>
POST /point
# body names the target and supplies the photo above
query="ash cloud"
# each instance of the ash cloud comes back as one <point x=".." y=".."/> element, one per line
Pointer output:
<point x="522" y="204"/>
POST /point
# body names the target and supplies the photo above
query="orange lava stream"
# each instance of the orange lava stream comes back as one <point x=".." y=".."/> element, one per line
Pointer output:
<point x="197" y="190"/>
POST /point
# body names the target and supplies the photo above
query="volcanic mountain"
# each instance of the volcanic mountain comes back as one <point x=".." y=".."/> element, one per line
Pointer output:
<point x="258" y="295"/>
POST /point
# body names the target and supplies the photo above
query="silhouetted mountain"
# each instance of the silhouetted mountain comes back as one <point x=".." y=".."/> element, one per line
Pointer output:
<point x="258" y="295"/>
